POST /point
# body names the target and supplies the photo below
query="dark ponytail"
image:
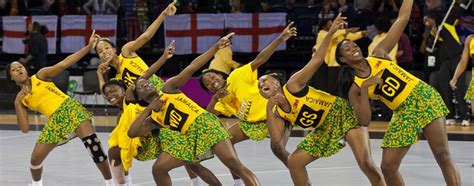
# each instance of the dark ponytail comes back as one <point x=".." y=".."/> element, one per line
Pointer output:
<point x="344" y="81"/>
<point x="346" y="74"/>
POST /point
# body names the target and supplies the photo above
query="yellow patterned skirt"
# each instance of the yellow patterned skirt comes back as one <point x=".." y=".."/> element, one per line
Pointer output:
<point x="193" y="146"/>
<point x="255" y="131"/>
<point x="328" y="139"/>
<point x="422" y="106"/>
<point x="64" y="122"/>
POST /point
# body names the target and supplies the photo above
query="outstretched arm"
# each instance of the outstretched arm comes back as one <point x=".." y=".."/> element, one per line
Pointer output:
<point x="169" y="51"/>
<point x="143" y="123"/>
<point x="132" y="46"/>
<point x="48" y="73"/>
<point x="265" y="54"/>
<point x="393" y="35"/>
<point x="298" y="80"/>
<point x="462" y="63"/>
<point x="174" y="83"/>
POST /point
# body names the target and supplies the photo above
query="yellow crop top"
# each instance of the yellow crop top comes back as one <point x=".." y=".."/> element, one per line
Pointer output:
<point x="397" y="83"/>
<point x="44" y="96"/>
<point x="178" y="113"/>
<point x="130" y="69"/>
<point x="244" y="100"/>
<point x="309" y="107"/>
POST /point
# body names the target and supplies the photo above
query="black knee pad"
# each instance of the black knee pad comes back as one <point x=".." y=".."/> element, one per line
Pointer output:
<point x="92" y="144"/>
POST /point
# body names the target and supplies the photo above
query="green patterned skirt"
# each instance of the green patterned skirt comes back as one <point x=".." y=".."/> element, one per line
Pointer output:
<point x="194" y="146"/>
<point x="328" y="138"/>
<point x="62" y="124"/>
<point x="150" y="147"/>
<point x="423" y="105"/>
<point x="255" y="131"/>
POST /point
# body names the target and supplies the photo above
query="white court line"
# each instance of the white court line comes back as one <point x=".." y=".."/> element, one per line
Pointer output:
<point x="309" y="169"/>
<point x="17" y="136"/>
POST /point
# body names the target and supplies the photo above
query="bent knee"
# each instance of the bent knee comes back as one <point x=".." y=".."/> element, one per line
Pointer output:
<point x="277" y="148"/>
<point x="442" y="155"/>
<point x="294" y="162"/>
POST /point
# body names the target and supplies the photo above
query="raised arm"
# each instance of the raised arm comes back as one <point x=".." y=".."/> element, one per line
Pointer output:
<point x="462" y="63"/>
<point x="385" y="46"/>
<point x="132" y="46"/>
<point x="48" y="73"/>
<point x="265" y="54"/>
<point x="143" y="123"/>
<point x="167" y="54"/>
<point x="174" y="83"/>
<point x="101" y="69"/>
<point x="21" y="111"/>
<point x="298" y="80"/>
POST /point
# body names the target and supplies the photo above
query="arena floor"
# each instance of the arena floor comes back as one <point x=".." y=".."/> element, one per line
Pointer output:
<point x="71" y="165"/>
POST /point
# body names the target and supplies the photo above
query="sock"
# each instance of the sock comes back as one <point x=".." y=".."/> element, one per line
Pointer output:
<point x="239" y="182"/>
<point x="195" y="181"/>
<point x="128" y="180"/>
<point x="109" y="182"/>
<point x="37" y="183"/>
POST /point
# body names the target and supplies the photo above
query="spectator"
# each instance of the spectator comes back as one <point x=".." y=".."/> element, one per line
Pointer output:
<point x="363" y="5"/>
<point x="99" y="7"/>
<point x="16" y="7"/>
<point x="329" y="9"/>
<point x="434" y="5"/>
<point x="387" y="8"/>
<point x="328" y="82"/>
<point x="64" y="7"/>
<point x="37" y="47"/>
<point x="236" y="8"/>
<point x="447" y="53"/>
<point x="405" y="53"/>
<point x="39" y="7"/>
<point x="347" y="10"/>
<point x="141" y="8"/>
<point x="383" y="25"/>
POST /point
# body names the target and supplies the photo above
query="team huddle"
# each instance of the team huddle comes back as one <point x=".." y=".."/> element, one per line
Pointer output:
<point x="159" y="122"/>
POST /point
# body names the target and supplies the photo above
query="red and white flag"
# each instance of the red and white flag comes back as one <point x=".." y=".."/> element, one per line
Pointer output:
<point x="15" y="27"/>
<point x="193" y="33"/>
<point x="76" y="30"/>
<point x="253" y="32"/>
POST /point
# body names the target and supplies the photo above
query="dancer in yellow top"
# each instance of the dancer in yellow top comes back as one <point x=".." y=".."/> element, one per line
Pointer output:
<point x="332" y="118"/>
<point x="417" y="107"/>
<point x="66" y="115"/>
<point x="128" y="64"/>
<point x="237" y="95"/>
<point x="148" y="147"/>
<point x="468" y="52"/>
<point x="187" y="131"/>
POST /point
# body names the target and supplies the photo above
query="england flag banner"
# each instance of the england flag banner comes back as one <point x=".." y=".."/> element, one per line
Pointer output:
<point x="255" y="31"/>
<point x="193" y="33"/>
<point x="76" y="30"/>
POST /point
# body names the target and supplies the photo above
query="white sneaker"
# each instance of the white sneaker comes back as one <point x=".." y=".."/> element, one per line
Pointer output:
<point x="450" y="122"/>
<point x="465" y="123"/>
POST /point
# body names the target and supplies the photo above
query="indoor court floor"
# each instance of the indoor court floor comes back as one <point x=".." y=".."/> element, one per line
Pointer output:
<point x="71" y="165"/>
